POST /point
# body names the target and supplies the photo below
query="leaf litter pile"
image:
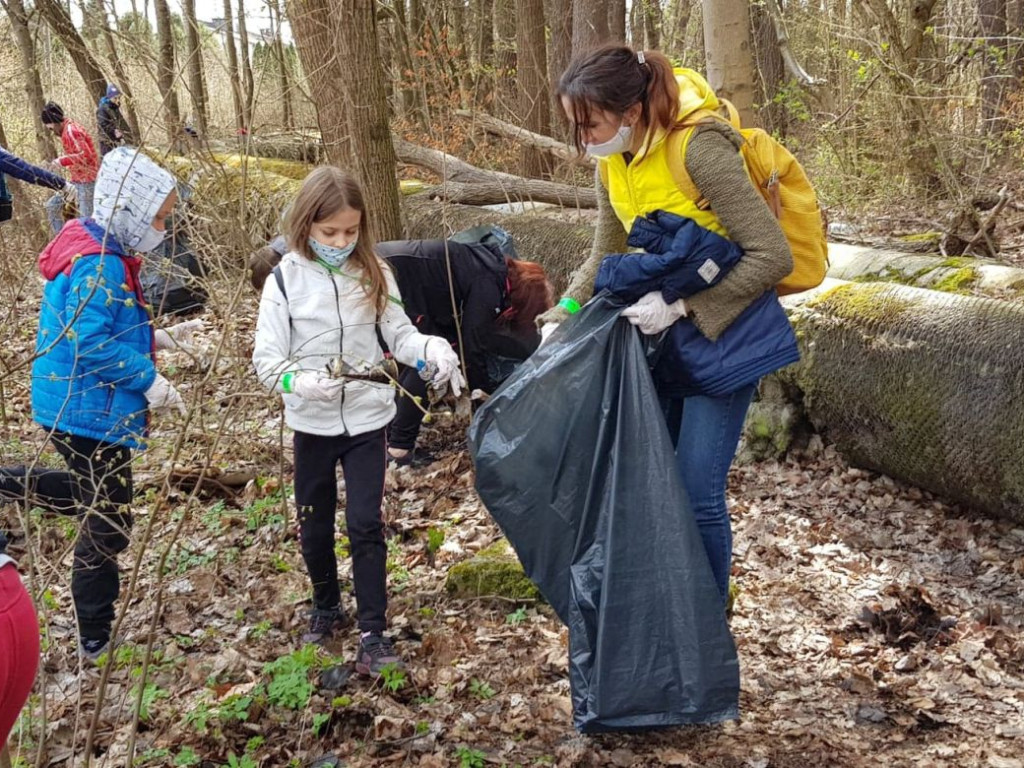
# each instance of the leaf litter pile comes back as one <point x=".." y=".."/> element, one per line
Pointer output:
<point x="875" y="625"/>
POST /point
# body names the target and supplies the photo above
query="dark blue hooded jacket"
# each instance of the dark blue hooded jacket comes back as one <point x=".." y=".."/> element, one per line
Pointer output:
<point x="680" y="259"/>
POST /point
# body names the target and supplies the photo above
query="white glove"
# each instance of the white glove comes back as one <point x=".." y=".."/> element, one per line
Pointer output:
<point x="69" y="194"/>
<point x="178" y="336"/>
<point x="440" y="353"/>
<point x="317" y="386"/>
<point x="163" y="397"/>
<point x="652" y="315"/>
<point x="56" y="165"/>
<point x="545" y="332"/>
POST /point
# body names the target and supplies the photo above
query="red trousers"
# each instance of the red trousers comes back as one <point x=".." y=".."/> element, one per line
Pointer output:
<point x="19" y="648"/>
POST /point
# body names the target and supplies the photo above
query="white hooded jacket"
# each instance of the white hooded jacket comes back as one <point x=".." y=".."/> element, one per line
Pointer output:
<point x="326" y="315"/>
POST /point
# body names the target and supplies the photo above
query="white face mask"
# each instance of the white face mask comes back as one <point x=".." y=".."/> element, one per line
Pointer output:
<point x="617" y="144"/>
<point x="150" y="240"/>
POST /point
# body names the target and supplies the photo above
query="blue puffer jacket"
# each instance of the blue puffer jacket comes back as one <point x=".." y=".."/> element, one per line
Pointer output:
<point x="95" y="344"/>
<point x="681" y="259"/>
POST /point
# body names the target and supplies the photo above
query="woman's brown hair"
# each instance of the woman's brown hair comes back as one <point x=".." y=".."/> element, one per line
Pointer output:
<point x="529" y="294"/>
<point x="613" y="78"/>
<point x="326" y="191"/>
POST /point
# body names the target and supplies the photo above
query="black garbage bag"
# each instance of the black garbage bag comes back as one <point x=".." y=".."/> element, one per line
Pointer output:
<point x="573" y="461"/>
<point x="172" y="276"/>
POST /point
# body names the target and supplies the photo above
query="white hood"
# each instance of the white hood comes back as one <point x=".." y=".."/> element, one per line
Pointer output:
<point x="130" y="189"/>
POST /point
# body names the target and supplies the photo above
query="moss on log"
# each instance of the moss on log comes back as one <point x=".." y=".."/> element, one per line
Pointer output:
<point x="492" y="572"/>
<point x="949" y="275"/>
<point x="921" y="385"/>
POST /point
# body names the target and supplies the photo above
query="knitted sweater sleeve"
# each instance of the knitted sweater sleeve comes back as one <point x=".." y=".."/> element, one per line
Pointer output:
<point x="609" y="237"/>
<point x="717" y="169"/>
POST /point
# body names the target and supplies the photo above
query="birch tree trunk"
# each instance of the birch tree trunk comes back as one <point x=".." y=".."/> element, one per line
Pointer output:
<point x="730" y="59"/>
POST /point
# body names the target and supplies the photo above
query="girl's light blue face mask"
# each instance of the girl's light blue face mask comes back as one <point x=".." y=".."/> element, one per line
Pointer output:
<point x="333" y="256"/>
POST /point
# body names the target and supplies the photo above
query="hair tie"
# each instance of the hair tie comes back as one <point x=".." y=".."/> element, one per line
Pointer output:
<point x="640" y="58"/>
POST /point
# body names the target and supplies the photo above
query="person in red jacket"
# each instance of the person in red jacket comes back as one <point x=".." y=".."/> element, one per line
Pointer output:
<point x="79" y="159"/>
<point x="19" y="645"/>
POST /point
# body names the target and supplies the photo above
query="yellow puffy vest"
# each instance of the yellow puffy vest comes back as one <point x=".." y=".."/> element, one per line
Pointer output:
<point x="657" y="180"/>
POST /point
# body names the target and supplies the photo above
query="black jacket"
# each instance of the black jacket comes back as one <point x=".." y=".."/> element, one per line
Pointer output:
<point x="110" y="120"/>
<point x="480" y="288"/>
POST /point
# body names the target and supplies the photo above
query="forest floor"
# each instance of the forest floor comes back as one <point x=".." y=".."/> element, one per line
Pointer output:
<point x="875" y="624"/>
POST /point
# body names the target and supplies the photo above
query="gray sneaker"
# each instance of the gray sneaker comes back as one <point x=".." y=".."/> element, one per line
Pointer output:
<point x="323" y="623"/>
<point x="92" y="650"/>
<point x="375" y="653"/>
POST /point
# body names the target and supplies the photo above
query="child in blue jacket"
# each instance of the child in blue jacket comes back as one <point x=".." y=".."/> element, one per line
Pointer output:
<point x="94" y="378"/>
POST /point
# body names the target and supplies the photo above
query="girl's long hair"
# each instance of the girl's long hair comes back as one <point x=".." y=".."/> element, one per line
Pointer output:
<point x="326" y="191"/>
<point x="612" y="78"/>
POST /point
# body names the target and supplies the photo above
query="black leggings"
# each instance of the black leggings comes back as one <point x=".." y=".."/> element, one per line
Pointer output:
<point x="405" y="427"/>
<point x="363" y="462"/>
<point x="98" y="487"/>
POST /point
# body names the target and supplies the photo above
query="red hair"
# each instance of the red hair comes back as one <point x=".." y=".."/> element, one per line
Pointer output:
<point x="529" y="294"/>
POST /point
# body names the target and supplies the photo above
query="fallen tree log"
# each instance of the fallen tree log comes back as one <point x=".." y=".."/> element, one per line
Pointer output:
<point x="951" y="275"/>
<point x="260" y="199"/>
<point x="493" y="125"/>
<point x="523" y="190"/>
<point x="920" y="385"/>
<point x="509" y="186"/>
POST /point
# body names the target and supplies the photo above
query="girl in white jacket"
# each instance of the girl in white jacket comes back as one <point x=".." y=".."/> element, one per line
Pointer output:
<point x="336" y="294"/>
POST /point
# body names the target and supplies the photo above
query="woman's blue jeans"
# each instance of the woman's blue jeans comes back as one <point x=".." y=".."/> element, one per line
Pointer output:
<point x="706" y="432"/>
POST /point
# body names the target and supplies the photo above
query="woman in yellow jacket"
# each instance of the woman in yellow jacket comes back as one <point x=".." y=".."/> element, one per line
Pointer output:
<point x="627" y="109"/>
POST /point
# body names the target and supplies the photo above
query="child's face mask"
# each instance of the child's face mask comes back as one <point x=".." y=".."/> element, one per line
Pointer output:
<point x="333" y="256"/>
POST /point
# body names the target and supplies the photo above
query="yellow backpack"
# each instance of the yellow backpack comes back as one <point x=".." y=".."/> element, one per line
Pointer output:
<point x="783" y="184"/>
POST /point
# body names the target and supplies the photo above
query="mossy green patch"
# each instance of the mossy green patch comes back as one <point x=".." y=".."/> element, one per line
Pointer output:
<point x="957" y="281"/>
<point x="862" y="301"/>
<point x="492" y="572"/>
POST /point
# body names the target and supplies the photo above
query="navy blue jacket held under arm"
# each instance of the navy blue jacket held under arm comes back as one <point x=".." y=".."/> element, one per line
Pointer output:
<point x="681" y="258"/>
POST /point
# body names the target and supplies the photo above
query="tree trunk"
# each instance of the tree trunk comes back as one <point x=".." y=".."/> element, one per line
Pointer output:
<point x="128" y="102"/>
<point x="1015" y="26"/>
<point x="166" y="72"/>
<point x="636" y="26"/>
<point x="534" y="97"/>
<point x="287" y="117"/>
<point x="617" y="20"/>
<point x="681" y="12"/>
<point x="559" y="19"/>
<point x="729" y="53"/>
<point x="366" y="99"/>
<point x="236" y="86"/>
<point x="652" y="24"/>
<point x="995" y="80"/>
<point x="772" y="116"/>
<point x="197" y="84"/>
<point x="589" y="24"/>
<point x="315" y="38"/>
<point x="15" y="10"/>
<point x="506" y="103"/>
<point x="248" y="87"/>
<point x="57" y="17"/>
<point x="484" y="50"/>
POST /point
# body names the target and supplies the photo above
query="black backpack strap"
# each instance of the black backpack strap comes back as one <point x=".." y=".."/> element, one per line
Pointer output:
<point x="279" y="278"/>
